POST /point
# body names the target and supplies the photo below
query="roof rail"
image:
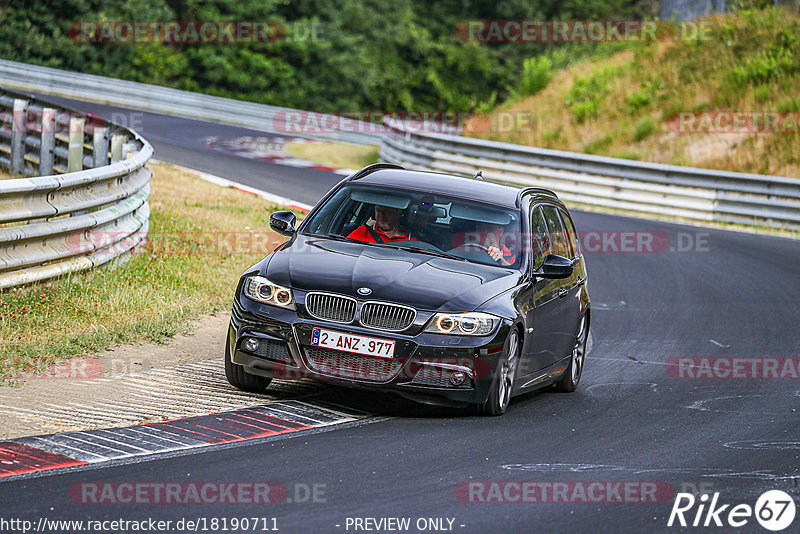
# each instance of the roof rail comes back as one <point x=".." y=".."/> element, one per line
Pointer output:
<point x="532" y="191"/>
<point x="369" y="169"/>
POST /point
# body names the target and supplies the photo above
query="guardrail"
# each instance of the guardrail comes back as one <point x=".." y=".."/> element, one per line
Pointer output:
<point x="687" y="192"/>
<point x="187" y="104"/>
<point x="85" y="201"/>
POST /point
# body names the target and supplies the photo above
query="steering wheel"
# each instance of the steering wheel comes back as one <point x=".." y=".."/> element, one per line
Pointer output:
<point x="463" y="247"/>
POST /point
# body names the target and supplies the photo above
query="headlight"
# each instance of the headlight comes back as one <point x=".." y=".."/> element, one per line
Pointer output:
<point x="463" y="324"/>
<point x="260" y="289"/>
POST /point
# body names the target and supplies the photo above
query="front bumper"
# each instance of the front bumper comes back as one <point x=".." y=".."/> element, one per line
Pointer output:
<point x="421" y="369"/>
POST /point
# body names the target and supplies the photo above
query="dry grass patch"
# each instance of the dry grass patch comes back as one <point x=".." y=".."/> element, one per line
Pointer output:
<point x="339" y="155"/>
<point x="202" y="237"/>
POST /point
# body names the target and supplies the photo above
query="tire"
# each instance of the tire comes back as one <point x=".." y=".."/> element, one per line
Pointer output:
<point x="237" y="376"/>
<point x="572" y="375"/>
<point x="503" y="384"/>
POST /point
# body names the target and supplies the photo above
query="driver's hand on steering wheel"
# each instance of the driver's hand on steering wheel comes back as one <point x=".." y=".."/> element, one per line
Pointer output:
<point x="497" y="255"/>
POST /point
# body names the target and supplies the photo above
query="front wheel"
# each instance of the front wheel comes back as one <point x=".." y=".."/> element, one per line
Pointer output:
<point x="572" y="375"/>
<point x="239" y="378"/>
<point x="500" y="392"/>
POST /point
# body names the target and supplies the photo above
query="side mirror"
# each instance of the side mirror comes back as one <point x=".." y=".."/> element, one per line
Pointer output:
<point x="283" y="222"/>
<point x="555" y="266"/>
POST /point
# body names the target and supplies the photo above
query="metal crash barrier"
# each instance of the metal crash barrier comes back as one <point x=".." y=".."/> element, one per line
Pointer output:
<point x="78" y="194"/>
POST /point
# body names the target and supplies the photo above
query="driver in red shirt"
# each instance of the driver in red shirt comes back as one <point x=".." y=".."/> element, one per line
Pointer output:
<point x="387" y="228"/>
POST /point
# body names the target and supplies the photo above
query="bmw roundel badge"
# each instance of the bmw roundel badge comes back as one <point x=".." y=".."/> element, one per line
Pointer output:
<point x="364" y="291"/>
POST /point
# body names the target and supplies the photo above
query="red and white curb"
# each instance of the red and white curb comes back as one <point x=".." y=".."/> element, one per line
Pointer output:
<point x="24" y="456"/>
<point x="305" y="164"/>
<point x="271" y="149"/>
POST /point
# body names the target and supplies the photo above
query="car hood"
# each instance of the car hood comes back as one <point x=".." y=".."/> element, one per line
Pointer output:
<point x="415" y="279"/>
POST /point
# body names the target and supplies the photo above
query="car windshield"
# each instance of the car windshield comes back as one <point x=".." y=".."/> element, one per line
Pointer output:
<point x="421" y="222"/>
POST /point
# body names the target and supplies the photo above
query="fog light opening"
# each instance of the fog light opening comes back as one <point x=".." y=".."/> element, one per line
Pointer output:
<point x="457" y="378"/>
<point x="251" y="344"/>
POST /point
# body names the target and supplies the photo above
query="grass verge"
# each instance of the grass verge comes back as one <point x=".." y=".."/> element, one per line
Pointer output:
<point x="202" y="237"/>
<point x="631" y="104"/>
<point x="339" y="155"/>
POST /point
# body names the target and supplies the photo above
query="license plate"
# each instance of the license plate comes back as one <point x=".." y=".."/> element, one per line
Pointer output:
<point x="368" y="346"/>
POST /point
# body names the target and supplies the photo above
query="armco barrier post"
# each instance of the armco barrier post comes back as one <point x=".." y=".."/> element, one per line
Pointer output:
<point x="18" y="121"/>
<point x="116" y="147"/>
<point x="100" y="148"/>
<point x="75" y="158"/>
<point x="127" y="148"/>
<point x="48" y="142"/>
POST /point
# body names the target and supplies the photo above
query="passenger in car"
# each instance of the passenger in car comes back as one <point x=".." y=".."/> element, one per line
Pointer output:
<point x="490" y="237"/>
<point x="420" y="218"/>
<point x="387" y="228"/>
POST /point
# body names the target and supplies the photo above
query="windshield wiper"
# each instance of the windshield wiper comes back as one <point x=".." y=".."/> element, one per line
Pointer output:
<point x="429" y="251"/>
<point x="333" y="236"/>
<point x="337" y="237"/>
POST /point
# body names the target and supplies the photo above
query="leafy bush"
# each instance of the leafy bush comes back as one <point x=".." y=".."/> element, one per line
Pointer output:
<point x="583" y="98"/>
<point x="536" y="74"/>
<point x="643" y="98"/>
<point x="644" y="129"/>
<point x="767" y="66"/>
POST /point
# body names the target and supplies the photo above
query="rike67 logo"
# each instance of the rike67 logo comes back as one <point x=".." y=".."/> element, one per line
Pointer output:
<point x="774" y="510"/>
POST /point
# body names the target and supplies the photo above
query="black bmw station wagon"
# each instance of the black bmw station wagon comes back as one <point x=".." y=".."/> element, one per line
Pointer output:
<point x="447" y="290"/>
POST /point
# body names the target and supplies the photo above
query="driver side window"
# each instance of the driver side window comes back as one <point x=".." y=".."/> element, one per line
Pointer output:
<point x="540" y="241"/>
<point x="557" y="237"/>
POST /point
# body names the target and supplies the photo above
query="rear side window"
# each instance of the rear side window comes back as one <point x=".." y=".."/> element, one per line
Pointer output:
<point x="558" y="238"/>
<point x="540" y="240"/>
<point x="572" y="235"/>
